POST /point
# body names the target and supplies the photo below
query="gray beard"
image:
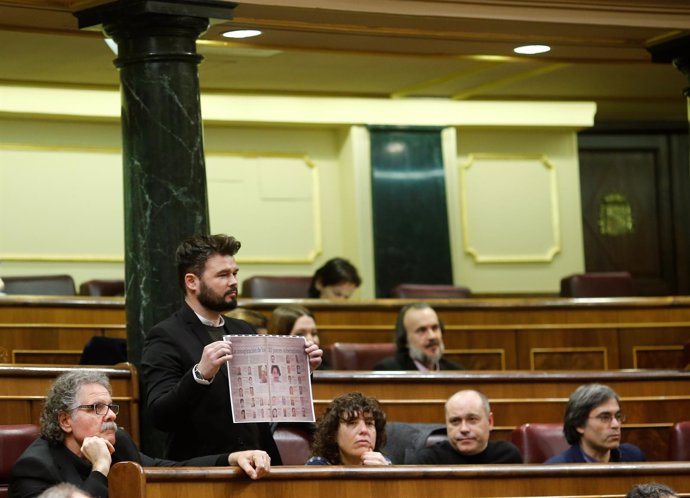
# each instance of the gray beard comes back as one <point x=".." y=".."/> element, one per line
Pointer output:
<point x="425" y="359"/>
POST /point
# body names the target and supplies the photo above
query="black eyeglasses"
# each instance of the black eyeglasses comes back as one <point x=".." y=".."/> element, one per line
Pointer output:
<point x="607" y="417"/>
<point x="101" y="408"/>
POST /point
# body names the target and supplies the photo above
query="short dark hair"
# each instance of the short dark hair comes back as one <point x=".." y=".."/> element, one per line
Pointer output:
<point x="651" y="490"/>
<point x="192" y="253"/>
<point x="284" y="317"/>
<point x="346" y="407"/>
<point x="62" y="398"/>
<point x="401" y="333"/>
<point x="582" y="401"/>
<point x="335" y="271"/>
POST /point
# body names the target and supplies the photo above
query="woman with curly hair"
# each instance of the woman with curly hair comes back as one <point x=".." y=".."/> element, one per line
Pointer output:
<point x="351" y="431"/>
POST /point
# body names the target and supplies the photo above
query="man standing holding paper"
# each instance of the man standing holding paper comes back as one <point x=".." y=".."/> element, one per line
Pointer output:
<point x="183" y="355"/>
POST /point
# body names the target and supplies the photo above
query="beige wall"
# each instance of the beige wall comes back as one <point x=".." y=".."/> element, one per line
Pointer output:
<point x="289" y="177"/>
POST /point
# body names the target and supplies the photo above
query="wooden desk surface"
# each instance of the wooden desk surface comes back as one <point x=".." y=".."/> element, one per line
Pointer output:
<point x="129" y="480"/>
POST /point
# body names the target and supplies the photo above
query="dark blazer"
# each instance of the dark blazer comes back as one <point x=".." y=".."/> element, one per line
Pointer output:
<point x="197" y="418"/>
<point x="626" y="452"/>
<point x="402" y="361"/>
<point x="43" y="465"/>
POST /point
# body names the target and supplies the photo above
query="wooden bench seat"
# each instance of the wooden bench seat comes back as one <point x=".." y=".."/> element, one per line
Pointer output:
<point x="129" y="480"/>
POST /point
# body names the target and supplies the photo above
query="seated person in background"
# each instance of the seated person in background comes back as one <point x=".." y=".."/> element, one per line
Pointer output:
<point x="592" y="426"/>
<point x="336" y="279"/>
<point x="254" y="318"/>
<point x="351" y="431"/>
<point x="80" y="441"/>
<point x="419" y="341"/>
<point x="651" y="490"/>
<point x="292" y="319"/>
<point x="468" y="423"/>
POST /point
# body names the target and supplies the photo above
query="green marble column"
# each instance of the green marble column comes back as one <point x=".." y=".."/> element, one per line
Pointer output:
<point x="165" y="197"/>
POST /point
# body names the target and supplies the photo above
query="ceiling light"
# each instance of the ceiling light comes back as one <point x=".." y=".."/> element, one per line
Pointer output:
<point x="242" y="33"/>
<point x="532" y="49"/>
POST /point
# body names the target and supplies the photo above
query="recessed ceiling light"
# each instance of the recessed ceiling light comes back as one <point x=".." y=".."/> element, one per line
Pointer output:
<point x="242" y="33"/>
<point x="532" y="49"/>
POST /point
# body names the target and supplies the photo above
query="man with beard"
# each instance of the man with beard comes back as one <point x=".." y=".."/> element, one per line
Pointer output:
<point x="183" y="358"/>
<point x="80" y="441"/>
<point x="592" y="426"/>
<point x="419" y="341"/>
<point x="469" y="422"/>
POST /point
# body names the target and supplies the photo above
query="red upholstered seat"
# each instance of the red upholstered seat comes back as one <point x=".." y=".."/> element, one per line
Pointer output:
<point x="539" y="442"/>
<point x="14" y="439"/>
<point x="102" y="288"/>
<point x="428" y="291"/>
<point x="294" y="444"/>
<point x="276" y="287"/>
<point x="679" y="442"/>
<point x="359" y="355"/>
<point x="604" y="284"/>
<point x="40" y="285"/>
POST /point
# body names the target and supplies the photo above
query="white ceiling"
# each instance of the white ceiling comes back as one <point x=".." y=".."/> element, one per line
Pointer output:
<point x="443" y="49"/>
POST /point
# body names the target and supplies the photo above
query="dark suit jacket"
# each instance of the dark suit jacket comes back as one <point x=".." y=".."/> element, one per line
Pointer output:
<point x="626" y="452"/>
<point x="197" y="418"/>
<point x="43" y="465"/>
<point x="402" y="361"/>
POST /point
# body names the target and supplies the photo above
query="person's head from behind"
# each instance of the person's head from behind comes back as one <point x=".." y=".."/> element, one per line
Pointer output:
<point x="207" y="270"/>
<point x="64" y="490"/>
<point x="469" y="421"/>
<point x="593" y="419"/>
<point x="295" y="320"/>
<point x="79" y="405"/>
<point x="419" y="332"/>
<point x="256" y="319"/>
<point x="352" y="425"/>
<point x="336" y="279"/>
<point x="651" y="490"/>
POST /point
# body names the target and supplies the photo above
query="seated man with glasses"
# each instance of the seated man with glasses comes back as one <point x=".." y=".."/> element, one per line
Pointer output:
<point x="592" y="426"/>
<point x="80" y="442"/>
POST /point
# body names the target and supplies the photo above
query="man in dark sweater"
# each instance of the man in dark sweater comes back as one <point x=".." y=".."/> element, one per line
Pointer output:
<point x="468" y="422"/>
<point x="592" y="426"/>
<point x="419" y="342"/>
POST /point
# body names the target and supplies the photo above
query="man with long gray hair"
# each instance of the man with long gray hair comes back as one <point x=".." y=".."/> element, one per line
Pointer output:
<point x="592" y="426"/>
<point x="80" y="441"/>
<point x="419" y="342"/>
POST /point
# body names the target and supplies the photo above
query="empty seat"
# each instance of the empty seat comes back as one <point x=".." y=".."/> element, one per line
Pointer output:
<point x="294" y="444"/>
<point x="102" y="288"/>
<point x="428" y="291"/>
<point x="104" y="351"/>
<point x="40" y="285"/>
<point x="407" y="438"/>
<point x="359" y="355"/>
<point x="539" y="442"/>
<point x="679" y="442"/>
<point x="276" y="287"/>
<point x="604" y="284"/>
<point x="14" y="439"/>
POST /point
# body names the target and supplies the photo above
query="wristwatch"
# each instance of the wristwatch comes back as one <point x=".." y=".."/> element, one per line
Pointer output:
<point x="198" y="378"/>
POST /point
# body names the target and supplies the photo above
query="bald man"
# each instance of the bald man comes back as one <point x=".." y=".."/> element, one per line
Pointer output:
<point x="468" y="423"/>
